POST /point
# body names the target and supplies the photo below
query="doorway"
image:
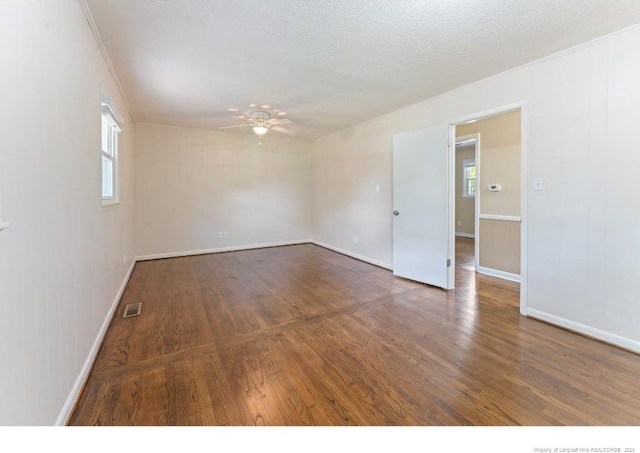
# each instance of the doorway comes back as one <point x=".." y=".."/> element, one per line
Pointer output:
<point x="489" y="164"/>
<point x="424" y="203"/>
<point x="466" y="184"/>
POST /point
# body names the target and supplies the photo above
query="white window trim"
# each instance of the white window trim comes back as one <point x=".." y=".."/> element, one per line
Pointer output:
<point x="113" y="119"/>
<point x="468" y="163"/>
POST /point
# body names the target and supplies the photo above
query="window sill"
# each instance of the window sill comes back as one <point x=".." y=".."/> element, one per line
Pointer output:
<point x="109" y="206"/>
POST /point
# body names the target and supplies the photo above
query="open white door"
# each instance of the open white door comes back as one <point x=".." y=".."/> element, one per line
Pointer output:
<point x="421" y="206"/>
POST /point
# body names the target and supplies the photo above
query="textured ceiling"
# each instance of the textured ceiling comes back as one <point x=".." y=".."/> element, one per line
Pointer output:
<point x="329" y="64"/>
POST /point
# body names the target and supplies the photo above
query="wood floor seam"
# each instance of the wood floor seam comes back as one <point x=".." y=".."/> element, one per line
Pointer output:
<point x="221" y="344"/>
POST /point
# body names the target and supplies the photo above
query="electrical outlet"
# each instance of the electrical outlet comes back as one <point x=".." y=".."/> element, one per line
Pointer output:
<point x="355" y="239"/>
<point x="220" y="235"/>
<point x="225" y="234"/>
<point x="377" y="188"/>
<point x="459" y="222"/>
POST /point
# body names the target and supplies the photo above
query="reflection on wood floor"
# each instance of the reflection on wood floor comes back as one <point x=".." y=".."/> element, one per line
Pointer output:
<point x="300" y="335"/>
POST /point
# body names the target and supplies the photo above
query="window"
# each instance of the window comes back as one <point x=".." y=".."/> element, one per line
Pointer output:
<point x="109" y="150"/>
<point x="469" y="178"/>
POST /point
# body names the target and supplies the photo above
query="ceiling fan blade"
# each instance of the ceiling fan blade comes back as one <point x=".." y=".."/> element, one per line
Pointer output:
<point x="275" y="121"/>
<point x="283" y="130"/>
<point x="237" y="125"/>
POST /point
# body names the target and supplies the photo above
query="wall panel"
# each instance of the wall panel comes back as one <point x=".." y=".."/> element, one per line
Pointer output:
<point x="61" y="260"/>
<point x="192" y="184"/>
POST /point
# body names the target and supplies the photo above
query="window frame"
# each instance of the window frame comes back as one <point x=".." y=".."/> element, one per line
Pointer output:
<point x="111" y="126"/>
<point x="467" y="164"/>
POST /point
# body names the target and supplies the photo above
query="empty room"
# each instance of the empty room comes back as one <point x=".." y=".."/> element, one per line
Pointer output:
<point x="218" y="213"/>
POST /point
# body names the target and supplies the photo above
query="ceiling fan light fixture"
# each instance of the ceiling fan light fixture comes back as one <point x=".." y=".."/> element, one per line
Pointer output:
<point x="260" y="130"/>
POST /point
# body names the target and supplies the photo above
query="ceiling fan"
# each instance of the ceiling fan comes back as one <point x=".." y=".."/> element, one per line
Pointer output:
<point x="261" y="121"/>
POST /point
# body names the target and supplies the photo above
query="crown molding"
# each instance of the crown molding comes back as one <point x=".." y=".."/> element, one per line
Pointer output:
<point x="105" y="55"/>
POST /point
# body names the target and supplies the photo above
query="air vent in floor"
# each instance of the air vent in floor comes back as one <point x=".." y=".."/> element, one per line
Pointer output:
<point x="132" y="310"/>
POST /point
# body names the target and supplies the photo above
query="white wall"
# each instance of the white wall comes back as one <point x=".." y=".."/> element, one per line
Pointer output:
<point x="61" y="259"/>
<point x="583" y="244"/>
<point x="191" y="184"/>
<point x="347" y="169"/>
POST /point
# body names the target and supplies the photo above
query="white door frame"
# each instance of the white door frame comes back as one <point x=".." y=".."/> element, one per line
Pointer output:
<point x="476" y="201"/>
<point x="522" y="106"/>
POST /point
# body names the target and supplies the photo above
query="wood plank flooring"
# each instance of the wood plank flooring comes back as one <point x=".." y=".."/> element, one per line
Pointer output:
<point x="301" y="335"/>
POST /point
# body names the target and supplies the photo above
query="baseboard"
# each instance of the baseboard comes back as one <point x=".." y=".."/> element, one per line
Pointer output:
<point x="592" y="332"/>
<point x="353" y="255"/>
<point x="219" y="250"/>
<point x="466" y="235"/>
<point x="500" y="274"/>
<point x="69" y="405"/>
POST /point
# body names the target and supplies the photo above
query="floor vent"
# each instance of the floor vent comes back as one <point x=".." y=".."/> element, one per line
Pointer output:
<point x="132" y="310"/>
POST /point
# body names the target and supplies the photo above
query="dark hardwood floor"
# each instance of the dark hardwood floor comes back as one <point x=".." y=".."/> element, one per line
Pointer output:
<point x="301" y="335"/>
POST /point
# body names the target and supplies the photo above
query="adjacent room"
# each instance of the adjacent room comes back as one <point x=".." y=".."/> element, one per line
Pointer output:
<point x="319" y="213"/>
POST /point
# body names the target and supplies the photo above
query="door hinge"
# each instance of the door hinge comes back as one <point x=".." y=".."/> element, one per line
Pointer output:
<point x="449" y="262"/>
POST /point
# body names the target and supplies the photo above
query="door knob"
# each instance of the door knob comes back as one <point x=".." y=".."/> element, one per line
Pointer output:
<point x="396" y="213"/>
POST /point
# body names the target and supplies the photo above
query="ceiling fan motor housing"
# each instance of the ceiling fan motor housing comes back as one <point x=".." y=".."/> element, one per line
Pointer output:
<point x="262" y="121"/>
<point x="260" y="115"/>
